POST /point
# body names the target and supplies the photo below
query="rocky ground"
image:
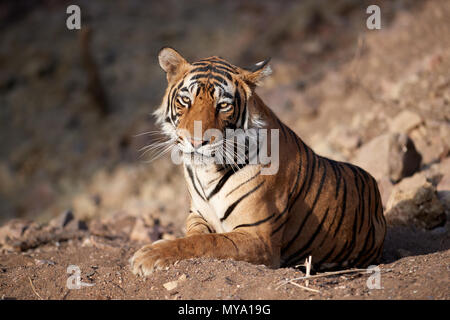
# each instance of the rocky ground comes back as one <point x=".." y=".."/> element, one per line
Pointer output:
<point x="75" y="190"/>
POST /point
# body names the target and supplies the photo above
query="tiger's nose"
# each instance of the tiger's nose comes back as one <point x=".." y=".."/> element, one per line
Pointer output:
<point x="197" y="143"/>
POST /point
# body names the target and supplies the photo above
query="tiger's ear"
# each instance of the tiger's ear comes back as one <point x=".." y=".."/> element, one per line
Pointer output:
<point x="258" y="72"/>
<point x="171" y="62"/>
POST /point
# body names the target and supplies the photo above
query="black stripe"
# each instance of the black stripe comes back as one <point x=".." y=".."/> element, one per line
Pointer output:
<point x="360" y="209"/>
<point x="281" y="125"/>
<point x="327" y="255"/>
<point x="219" y="62"/>
<point x="217" y="84"/>
<point x="205" y="68"/>
<point x="352" y="243"/>
<point x="245" y="110"/>
<point x="195" y="224"/>
<point x="237" y="105"/>
<point x="279" y="227"/>
<point x="223" y="73"/>
<point x="191" y="177"/>
<point x="294" y="188"/>
<point x="201" y="186"/>
<point x="231" y="207"/>
<point x="310" y="241"/>
<point x="341" y="252"/>
<point x="245" y="182"/>
<point x="223" y="68"/>
<point x="255" y="223"/>
<point x="364" y="250"/>
<point x="322" y="180"/>
<point x="228" y="238"/>
<point x="220" y="184"/>
<point x="227" y="95"/>
<point x="362" y="192"/>
<point x="308" y="152"/>
<point x="344" y="204"/>
<point x="208" y="76"/>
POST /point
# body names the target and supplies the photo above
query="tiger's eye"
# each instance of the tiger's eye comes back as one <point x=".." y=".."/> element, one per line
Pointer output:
<point x="186" y="99"/>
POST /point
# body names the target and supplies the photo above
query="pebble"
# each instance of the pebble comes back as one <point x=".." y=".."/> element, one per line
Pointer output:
<point x="170" y="285"/>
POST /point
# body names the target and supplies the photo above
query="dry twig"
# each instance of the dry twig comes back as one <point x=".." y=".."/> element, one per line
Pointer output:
<point x="303" y="287"/>
<point x="34" y="289"/>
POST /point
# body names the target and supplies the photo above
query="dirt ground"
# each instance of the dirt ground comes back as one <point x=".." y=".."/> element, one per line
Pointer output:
<point x="44" y="270"/>
<point x="335" y="83"/>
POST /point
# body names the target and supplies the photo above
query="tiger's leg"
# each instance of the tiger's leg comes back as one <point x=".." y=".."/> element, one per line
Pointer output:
<point x="238" y="245"/>
<point x="196" y="224"/>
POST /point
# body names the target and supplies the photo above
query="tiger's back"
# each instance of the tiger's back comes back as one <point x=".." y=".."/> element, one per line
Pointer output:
<point x="336" y="215"/>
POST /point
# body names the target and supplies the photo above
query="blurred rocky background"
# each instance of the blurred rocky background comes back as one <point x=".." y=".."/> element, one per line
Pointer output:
<point x="74" y="105"/>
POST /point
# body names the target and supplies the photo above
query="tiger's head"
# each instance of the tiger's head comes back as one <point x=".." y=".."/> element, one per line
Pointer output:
<point x="206" y="98"/>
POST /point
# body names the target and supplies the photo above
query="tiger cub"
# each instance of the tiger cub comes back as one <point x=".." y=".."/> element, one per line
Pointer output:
<point x="241" y="210"/>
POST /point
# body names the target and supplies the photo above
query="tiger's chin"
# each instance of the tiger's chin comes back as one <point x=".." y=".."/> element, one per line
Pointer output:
<point x="198" y="159"/>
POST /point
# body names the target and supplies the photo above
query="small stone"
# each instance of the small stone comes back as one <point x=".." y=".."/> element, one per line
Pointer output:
<point x="63" y="219"/>
<point x="404" y="160"/>
<point x="141" y="232"/>
<point x="404" y="122"/>
<point x="170" y="285"/>
<point x="44" y="262"/>
<point x="76" y="225"/>
<point x="443" y="186"/>
<point x="385" y="187"/>
<point x="13" y="230"/>
<point x="389" y="155"/>
<point x="373" y="156"/>
<point x="344" y="139"/>
<point x="414" y="200"/>
<point x="168" y="236"/>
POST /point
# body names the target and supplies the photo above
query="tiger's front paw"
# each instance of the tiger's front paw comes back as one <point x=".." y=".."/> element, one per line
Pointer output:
<point x="154" y="256"/>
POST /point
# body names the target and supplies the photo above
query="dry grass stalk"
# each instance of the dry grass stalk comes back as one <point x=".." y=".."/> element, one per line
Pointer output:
<point x="308" y="269"/>
<point x="303" y="287"/>
<point x="34" y="289"/>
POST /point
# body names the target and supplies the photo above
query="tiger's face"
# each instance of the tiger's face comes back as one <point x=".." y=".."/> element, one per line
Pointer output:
<point x="206" y="98"/>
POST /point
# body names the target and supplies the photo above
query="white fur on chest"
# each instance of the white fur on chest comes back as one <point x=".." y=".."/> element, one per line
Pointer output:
<point x="201" y="185"/>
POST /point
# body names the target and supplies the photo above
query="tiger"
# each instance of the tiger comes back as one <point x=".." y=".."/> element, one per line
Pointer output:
<point x="312" y="206"/>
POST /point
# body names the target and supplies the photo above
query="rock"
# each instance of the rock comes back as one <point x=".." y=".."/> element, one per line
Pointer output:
<point x="443" y="186"/>
<point x="143" y="232"/>
<point x="414" y="200"/>
<point x="404" y="122"/>
<point x="404" y="160"/>
<point x="170" y="285"/>
<point x="44" y="262"/>
<point x="323" y="148"/>
<point x="168" y="236"/>
<point x="444" y="131"/>
<point x="431" y="143"/>
<point x="76" y="225"/>
<point x="67" y="221"/>
<point x="388" y="155"/>
<point x="13" y="230"/>
<point x="385" y="187"/>
<point x="344" y="139"/>
<point x="62" y="220"/>
<point x="373" y="156"/>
